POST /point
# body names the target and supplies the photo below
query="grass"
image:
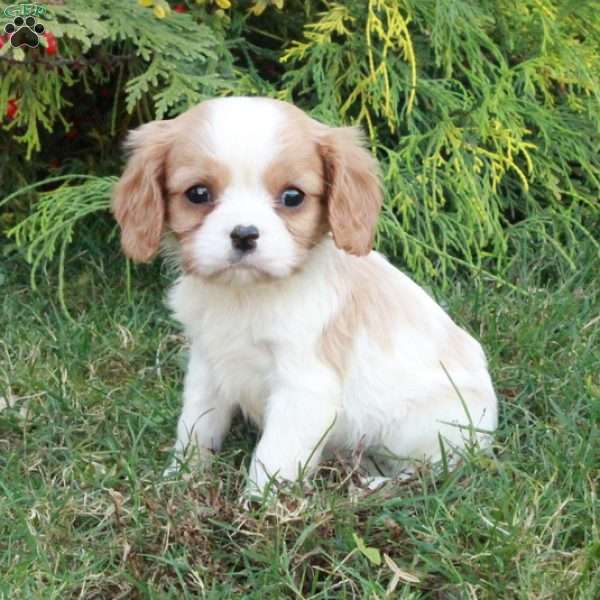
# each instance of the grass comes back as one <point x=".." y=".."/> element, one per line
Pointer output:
<point x="84" y="512"/>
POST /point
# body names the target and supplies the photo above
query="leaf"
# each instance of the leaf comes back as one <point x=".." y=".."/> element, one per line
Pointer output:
<point x="161" y="9"/>
<point x="399" y="574"/>
<point x="258" y="8"/>
<point x="159" y="12"/>
<point x="372" y="554"/>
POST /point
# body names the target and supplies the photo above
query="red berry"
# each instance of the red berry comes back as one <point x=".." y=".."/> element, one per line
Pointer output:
<point x="72" y="134"/>
<point x="180" y="8"/>
<point x="54" y="164"/>
<point x="3" y="39"/>
<point x="52" y="46"/>
<point x="11" y="109"/>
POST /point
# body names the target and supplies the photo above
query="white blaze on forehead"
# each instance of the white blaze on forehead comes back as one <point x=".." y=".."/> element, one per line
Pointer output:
<point x="244" y="134"/>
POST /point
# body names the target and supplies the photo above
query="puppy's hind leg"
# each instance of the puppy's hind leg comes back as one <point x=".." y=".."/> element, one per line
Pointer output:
<point x="441" y="427"/>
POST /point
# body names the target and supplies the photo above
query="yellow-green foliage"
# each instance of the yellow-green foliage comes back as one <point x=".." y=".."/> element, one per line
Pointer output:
<point x="485" y="114"/>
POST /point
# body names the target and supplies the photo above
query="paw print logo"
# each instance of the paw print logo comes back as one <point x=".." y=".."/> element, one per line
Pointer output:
<point x="24" y="32"/>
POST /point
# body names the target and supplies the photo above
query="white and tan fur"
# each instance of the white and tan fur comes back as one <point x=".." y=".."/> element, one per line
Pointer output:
<point x="315" y="337"/>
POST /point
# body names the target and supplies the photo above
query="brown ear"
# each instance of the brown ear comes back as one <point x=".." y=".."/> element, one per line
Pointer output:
<point x="138" y="203"/>
<point x="353" y="191"/>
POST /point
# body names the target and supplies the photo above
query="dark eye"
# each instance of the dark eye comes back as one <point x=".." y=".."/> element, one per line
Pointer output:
<point x="292" y="197"/>
<point x="198" y="194"/>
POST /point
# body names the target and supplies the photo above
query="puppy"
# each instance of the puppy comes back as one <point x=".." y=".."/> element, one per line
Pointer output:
<point x="292" y="317"/>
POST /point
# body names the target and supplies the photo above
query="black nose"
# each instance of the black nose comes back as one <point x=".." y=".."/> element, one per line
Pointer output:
<point x="243" y="237"/>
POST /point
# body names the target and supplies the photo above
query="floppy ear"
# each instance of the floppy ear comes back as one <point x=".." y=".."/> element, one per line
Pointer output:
<point x="138" y="202"/>
<point x="353" y="190"/>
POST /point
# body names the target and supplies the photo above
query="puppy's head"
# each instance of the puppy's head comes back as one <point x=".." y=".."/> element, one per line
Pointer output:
<point x="247" y="186"/>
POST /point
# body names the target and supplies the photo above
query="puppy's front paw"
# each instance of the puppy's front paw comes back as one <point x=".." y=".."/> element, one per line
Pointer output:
<point x="373" y="483"/>
<point x="173" y="469"/>
<point x="254" y="494"/>
<point x="264" y="491"/>
<point x="194" y="459"/>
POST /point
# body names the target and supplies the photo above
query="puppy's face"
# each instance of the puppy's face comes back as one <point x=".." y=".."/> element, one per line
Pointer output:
<point x="246" y="186"/>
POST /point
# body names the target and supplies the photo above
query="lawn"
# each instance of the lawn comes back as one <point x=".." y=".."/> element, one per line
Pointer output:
<point x="84" y="512"/>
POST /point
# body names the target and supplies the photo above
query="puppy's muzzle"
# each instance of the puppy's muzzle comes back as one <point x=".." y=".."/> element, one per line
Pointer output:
<point x="243" y="237"/>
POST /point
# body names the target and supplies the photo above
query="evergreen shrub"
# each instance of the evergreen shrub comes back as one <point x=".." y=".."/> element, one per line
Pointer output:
<point x="484" y="114"/>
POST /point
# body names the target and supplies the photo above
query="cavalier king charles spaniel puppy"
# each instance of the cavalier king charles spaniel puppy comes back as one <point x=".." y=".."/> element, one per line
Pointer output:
<point x="292" y="317"/>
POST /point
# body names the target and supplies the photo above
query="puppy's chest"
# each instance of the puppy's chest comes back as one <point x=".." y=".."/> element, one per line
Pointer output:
<point x="242" y="355"/>
<point x="250" y="343"/>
